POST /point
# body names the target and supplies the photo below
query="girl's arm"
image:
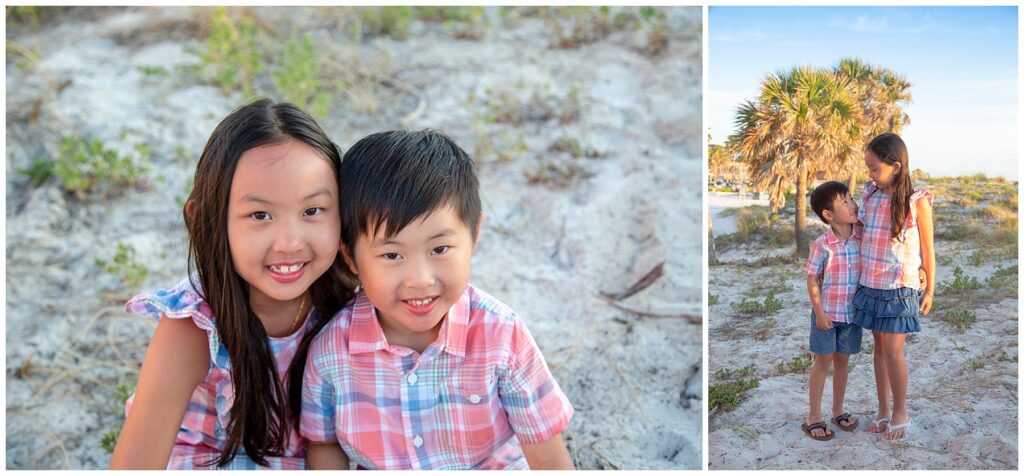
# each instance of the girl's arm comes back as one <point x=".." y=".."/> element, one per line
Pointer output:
<point x="927" y="233"/>
<point x="327" y="455"/>
<point x="176" y="362"/>
<point x="550" y="454"/>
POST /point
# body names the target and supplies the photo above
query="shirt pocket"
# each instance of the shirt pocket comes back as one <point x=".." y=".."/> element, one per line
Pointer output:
<point x="466" y="419"/>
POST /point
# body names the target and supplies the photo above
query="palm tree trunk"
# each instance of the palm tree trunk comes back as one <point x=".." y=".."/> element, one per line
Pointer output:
<point x="852" y="183"/>
<point x="712" y="253"/>
<point x="801" y="207"/>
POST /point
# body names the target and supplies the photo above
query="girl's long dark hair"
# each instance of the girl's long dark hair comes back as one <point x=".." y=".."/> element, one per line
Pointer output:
<point x="890" y="149"/>
<point x="262" y="410"/>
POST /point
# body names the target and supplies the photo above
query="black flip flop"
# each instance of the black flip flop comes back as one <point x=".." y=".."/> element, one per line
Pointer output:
<point x="847" y="418"/>
<point x="816" y="426"/>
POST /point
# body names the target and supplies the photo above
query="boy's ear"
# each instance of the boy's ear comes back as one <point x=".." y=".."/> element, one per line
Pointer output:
<point x="479" y="227"/>
<point x="828" y="216"/>
<point x="351" y="263"/>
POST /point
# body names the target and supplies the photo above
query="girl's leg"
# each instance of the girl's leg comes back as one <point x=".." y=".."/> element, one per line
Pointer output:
<point x="896" y="366"/>
<point x="819" y="370"/>
<point x="881" y="383"/>
<point x="840" y="371"/>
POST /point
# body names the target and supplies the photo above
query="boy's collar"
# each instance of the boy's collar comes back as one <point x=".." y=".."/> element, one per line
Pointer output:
<point x="366" y="334"/>
<point x="834" y="238"/>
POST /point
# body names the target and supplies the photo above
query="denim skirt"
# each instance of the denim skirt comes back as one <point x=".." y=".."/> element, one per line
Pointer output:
<point x="888" y="310"/>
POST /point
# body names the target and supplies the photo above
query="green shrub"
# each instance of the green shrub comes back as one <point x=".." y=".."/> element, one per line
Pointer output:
<point x="38" y="172"/>
<point x="298" y="77"/>
<point x="86" y="166"/>
<point x="465" y="22"/>
<point x="1003" y="277"/>
<point x="731" y="374"/>
<point x="728" y="395"/>
<point x="960" y="319"/>
<point x="124" y="266"/>
<point x="231" y="58"/>
<point x="712" y="299"/>
<point x="768" y="307"/>
<point x="388" y="21"/>
<point x="961" y="283"/>
<point x="799" y="364"/>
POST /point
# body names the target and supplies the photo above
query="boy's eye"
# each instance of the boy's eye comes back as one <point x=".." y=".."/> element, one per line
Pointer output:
<point x="261" y="216"/>
<point x="313" y="211"/>
<point x="391" y="256"/>
<point x="440" y="250"/>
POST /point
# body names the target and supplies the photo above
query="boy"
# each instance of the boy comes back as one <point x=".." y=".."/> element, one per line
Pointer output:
<point x="833" y="270"/>
<point x="422" y="370"/>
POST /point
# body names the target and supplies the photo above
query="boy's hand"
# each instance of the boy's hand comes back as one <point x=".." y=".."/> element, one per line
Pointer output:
<point x="822" y="321"/>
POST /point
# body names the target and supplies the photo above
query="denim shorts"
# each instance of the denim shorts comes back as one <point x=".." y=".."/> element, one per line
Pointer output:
<point x="842" y="338"/>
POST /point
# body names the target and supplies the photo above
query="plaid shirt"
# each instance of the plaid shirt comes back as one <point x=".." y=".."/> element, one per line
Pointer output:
<point x="838" y="261"/>
<point x="467" y="401"/>
<point x="888" y="263"/>
<point x="202" y="435"/>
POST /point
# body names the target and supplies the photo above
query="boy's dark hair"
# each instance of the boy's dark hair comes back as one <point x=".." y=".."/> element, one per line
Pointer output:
<point x="389" y="179"/>
<point x="263" y="408"/>
<point x="824" y="197"/>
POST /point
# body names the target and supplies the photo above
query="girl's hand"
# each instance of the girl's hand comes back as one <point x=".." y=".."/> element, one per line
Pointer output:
<point x="926" y="304"/>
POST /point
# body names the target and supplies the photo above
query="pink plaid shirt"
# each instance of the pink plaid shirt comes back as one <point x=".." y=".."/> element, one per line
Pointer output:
<point x="888" y="263"/>
<point x="202" y="434"/>
<point x="466" y="402"/>
<point x="838" y="261"/>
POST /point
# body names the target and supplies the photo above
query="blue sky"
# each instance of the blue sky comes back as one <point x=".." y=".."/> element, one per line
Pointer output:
<point x="961" y="62"/>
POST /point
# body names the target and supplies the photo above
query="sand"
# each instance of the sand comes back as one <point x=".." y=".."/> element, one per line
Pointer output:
<point x="962" y="394"/>
<point x="547" y="249"/>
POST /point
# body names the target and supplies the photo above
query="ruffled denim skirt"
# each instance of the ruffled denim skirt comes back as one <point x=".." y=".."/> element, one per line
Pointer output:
<point x="887" y="310"/>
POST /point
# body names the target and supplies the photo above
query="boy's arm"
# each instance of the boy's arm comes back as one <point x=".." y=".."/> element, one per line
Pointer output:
<point x="821" y="320"/>
<point x="326" y="455"/>
<point x="550" y="454"/>
<point x="176" y="361"/>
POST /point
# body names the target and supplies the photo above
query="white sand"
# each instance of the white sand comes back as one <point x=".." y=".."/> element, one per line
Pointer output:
<point x="546" y="251"/>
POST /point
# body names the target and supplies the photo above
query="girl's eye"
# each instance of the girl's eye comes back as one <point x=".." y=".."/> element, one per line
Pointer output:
<point x="313" y="211"/>
<point x="391" y="256"/>
<point x="261" y="216"/>
<point x="440" y="250"/>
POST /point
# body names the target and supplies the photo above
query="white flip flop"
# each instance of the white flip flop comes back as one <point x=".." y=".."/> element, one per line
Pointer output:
<point x="878" y="423"/>
<point x="889" y="429"/>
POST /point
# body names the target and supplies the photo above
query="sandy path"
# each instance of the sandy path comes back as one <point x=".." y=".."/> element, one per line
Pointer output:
<point x="546" y="250"/>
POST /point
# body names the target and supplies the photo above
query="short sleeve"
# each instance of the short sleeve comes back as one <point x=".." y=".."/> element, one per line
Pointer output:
<point x="537" y="408"/>
<point x="816" y="259"/>
<point x="180" y="302"/>
<point x="914" y="198"/>
<point x="316" y="420"/>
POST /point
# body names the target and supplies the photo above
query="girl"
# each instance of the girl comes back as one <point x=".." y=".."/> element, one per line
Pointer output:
<point x="897" y="239"/>
<point x="220" y="384"/>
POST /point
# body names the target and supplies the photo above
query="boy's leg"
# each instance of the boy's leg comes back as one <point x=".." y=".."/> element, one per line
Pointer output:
<point x="840" y="372"/>
<point x="896" y="366"/>
<point x="881" y="383"/>
<point x="819" y="370"/>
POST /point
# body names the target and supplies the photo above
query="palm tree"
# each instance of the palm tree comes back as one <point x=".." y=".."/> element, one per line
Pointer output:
<point x="802" y="121"/>
<point x="883" y="95"/>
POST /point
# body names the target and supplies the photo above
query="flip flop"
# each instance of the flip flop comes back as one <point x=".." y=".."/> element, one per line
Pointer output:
<point x="817" y="426"/>
<point x="851" y="423"/>
<point x="892" y="428"/>
<point x="878" y="424"/>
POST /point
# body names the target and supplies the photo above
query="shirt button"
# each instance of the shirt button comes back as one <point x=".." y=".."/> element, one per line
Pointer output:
<point x="474" y="398"/>
<point x="417" y="442"/>
<point x="412" y="379"/>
